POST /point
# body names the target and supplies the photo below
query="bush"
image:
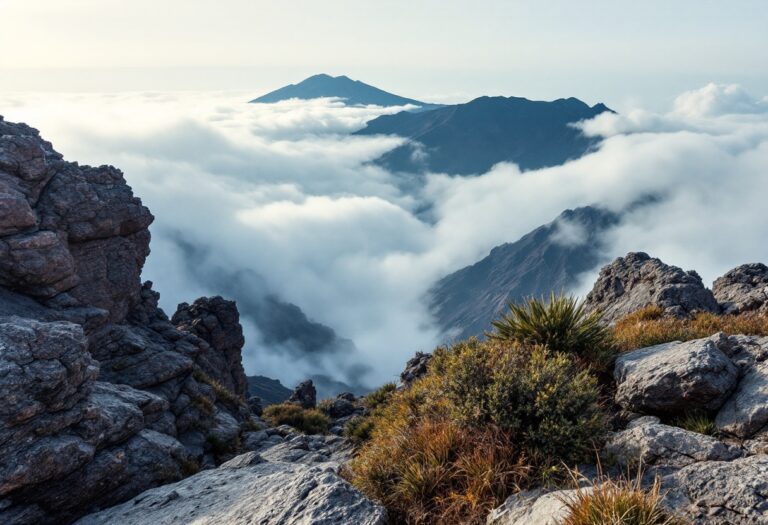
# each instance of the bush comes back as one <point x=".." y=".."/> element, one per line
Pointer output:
<point x="360" y="428"/>
<point x="307" y="421"/>
<point x="622" y="502"/>
<point x="561" y="324"/>
<point x="380" y="396"/>
<point x="489" y="418"/>
<point x="649" y="326"/>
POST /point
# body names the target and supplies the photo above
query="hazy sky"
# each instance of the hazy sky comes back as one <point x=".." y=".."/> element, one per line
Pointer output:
<point x="616" y="51"/>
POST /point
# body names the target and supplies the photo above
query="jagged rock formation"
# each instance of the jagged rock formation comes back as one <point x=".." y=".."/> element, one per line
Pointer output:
<point x="304" y="394"/>
<point x="249" y="489"/>
<point x="743" y="289"/>
<point x="100" y="390"/>
<point x="635" y="281"/>
<point x="415" y="368"/>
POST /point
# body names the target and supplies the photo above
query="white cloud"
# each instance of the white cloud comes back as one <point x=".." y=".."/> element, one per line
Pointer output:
<point x="283" y="190"/>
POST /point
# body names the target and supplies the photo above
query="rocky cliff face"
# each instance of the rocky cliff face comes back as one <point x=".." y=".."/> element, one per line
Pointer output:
<point x="99" y="389"/>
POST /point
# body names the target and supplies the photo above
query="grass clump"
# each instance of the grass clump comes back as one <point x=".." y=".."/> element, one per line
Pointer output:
<point x="560" y="323"/>
<point x="699" y="422"/>
<point x="649" y="326"/>
<point x="222" y="393"/>
<point x="305" y="420"/>
<point x="488" y="419"/>
<point x="619" y="502"/>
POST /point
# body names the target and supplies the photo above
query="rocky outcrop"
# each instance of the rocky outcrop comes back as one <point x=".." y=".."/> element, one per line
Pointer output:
<point x="304" y="394"/>
<point x="249" y="489"/>
<point x="533" y="507"/>
<point x="675" y="377"/>
<point x="743" y="289"/>
<point x="635" y="281"/>
<point x="654" y="444"/>
<point x="99" y="390"/>
<point x="720" y="492"/>
<point x="217" y="322"/>
<point x="415" y="368"/>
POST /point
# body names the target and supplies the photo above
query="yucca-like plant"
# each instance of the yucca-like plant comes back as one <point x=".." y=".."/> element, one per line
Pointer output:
<point x="562" y="324"/>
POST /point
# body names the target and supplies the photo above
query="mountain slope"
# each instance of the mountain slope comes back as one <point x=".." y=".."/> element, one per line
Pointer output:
<point x="353" y="92"/>
<point x="470" y="138"/>
<point x="550" y="258"/>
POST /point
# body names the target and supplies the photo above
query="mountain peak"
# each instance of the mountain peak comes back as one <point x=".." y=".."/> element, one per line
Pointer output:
<point x="353" y="92"/>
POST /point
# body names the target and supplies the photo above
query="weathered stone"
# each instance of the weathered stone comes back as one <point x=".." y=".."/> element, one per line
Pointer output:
<point x="341" y="408"/>
<point x="675" y="377"/>
<point x="415" y="368"/>
<point x="746" y="411"/>
<point x="635" y="281"/>
<point x="216" y="321"/>
<point x="743" y="289"/>
<point x="249" y="490"/>
<point x="720" y="492"/>
<point x="533" y="507"/>
<point x="654" y="444"/>
<point x="304" y="394"/>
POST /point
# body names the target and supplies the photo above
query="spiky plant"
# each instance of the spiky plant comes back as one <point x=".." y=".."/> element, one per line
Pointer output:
<point x="562" y="324"/>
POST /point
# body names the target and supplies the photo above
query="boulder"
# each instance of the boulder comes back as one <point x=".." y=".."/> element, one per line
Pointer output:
<point x="341" y="407"/>
<point x="658" y="445"/>
<point x="249" y="489"/>
<point x="720" y="492"/>
<point x="304" y="394"/>
<point x="746" y="411"/>
<point x="743" y="289"/>
<point x="533" y="507"/>
<point x="675" y="377"/>
<point x="415" y="368"/>
<point x="635" y="281"/>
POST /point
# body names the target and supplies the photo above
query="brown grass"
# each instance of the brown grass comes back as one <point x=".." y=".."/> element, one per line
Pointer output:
<point x="305" y="420"/>
<point x="648" y="327"/>
<point x="619" y="502"/>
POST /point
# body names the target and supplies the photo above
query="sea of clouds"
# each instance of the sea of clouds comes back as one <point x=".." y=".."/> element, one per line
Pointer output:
<point x="255" y="201"/>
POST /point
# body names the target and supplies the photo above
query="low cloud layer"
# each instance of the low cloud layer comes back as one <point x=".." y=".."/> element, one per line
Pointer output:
<point x="284" y="204"/>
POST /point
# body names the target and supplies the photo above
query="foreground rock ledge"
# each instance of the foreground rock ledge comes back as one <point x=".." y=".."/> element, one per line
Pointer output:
<point x="248" y="489"/>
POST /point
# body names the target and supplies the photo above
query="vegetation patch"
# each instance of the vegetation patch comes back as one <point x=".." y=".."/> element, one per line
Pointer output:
<point x="649" y="326"/>
<point x="699" y="422"/>
<point x="359" y="429"/>
<point x="560" y="323"/>
<point x="488" y="419"/>
<point x="307" y="421"/>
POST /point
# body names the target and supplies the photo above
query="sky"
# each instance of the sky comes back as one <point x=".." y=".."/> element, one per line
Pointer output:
<point x="254" y="201"/>
<point x="619" y="52"/>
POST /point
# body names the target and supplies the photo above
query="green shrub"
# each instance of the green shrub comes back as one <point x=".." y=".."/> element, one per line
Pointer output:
<point x="561" y="324"/>
<point x="489" y="418"/>
<point x="380" y="396"/>
<point x="307" y="421"/>
<point x="359" y="429"/>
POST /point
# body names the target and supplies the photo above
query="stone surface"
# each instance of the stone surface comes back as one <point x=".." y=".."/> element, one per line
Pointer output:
<point x="217" y="322"/>
<point x="746" y="411"/>
<point x="341" y="407"/>
<point x="635" y="281"/>
<point x="721" y="492"/>
<point x="304" y="394"/>
<point x="675" y="377"/>
<point x="743" y="289"/>
<point x="534" y="507"/>
<point x="249" y="490"/>
<point x="654" y="444"/>
<point x="415" y="368"/>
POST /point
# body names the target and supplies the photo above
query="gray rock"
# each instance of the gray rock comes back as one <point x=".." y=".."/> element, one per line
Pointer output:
<point x="675" y="377"/>
<point x="217" y="322"/>
<point x="249" y="490"/>
<point x="657" y="445"/>
<point x="746" y="411"/>
<point x="635" y="281"/>
<point x="304" y="394"/>
<point x="721" y="492"/>
<point x="341" y="408"/>
<point x="533" y="507"/>
<point x="743" y="289"/>
<point x="254" y="403"/>
<point x="415" y="368"/>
